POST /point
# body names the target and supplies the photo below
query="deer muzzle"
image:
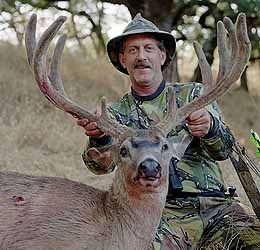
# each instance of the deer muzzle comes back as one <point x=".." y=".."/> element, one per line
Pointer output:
<point x="149" y="170"/>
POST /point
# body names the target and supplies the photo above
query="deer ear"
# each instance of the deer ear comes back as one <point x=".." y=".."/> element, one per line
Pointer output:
<point x="102" y="159"/>
<point x="93" y="154"/>
<point x="180" y="147"/>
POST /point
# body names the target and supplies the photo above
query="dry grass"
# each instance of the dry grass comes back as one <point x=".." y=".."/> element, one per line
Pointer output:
<point x="39" y="139"/>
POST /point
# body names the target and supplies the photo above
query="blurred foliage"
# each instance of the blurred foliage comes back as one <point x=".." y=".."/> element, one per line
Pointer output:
<point x="13" y="16"/>
<point x="85" y="19"/>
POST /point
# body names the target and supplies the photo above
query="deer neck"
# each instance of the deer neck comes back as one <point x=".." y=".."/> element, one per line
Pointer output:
<point x="135" y="214"/>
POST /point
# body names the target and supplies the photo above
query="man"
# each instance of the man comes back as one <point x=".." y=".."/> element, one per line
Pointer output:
<point x="197" y="202"/>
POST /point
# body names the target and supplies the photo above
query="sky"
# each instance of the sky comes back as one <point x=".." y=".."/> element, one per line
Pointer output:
<point x="118" y="22"/>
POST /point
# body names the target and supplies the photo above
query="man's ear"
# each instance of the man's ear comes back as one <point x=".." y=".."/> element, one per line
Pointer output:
<point x="122" y="60"/>
<point x="163" y="57"/>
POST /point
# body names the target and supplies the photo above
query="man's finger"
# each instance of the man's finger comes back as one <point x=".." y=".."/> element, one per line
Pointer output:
<point x="199" y="121"/>
<point x="82" y="122"/>
<point x="91" y="126"/>
<point x="94" y="133"/>
<point x="195" y="115"/>
<point x="199" y="133"/>
<point x="196" y="127"/>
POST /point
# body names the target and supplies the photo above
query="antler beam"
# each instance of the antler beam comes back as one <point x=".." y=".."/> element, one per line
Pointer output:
<point x="52" y="87"/>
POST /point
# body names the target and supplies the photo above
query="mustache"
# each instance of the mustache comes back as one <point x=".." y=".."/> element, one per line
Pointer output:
<point x="142" y="65"/>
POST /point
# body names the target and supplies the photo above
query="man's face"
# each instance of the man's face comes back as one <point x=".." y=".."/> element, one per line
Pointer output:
<point x="143" y="59"/>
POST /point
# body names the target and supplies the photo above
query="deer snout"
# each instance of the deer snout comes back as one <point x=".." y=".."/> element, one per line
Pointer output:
<point x="149" y="168"/>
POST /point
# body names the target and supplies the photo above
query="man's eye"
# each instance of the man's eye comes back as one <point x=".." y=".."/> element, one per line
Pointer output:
<point x="132" y="50"/>
<point x="149" y="48"/>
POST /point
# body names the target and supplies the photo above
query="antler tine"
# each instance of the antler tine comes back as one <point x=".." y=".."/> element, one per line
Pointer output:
<point x="223" y="85"/>
<point x="168" y="122"/>
<point x="39" y="60"/>
<point x="242" y="47"/>
<point x="222" y="50"/>
<point x="54" y="75"/>
<point x="232" y="31"/>
<point x="30" y="42"/>
<point x="53" y="91"/>
<point x="206" y="72"/>
<point x="111" y="124"/>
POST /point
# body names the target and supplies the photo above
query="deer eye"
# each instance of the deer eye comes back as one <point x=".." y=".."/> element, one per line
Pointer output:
<point x="165" y="147"/>
<point x="123" y="151"/>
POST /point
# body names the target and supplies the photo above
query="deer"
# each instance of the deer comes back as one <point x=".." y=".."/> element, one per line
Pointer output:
<point x="56" y="213"/>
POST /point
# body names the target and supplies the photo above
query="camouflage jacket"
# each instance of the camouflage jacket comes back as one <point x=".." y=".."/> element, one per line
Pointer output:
<point x="197" y="169"/>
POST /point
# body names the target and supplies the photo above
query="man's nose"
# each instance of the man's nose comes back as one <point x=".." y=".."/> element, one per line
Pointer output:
<point x="141" y="55"/>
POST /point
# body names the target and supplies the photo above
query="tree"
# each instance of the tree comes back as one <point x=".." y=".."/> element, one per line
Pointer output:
<point x="86" y="13"/>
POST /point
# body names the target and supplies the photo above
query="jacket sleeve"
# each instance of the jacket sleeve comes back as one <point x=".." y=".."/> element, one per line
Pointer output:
<point x="219" y="140"/>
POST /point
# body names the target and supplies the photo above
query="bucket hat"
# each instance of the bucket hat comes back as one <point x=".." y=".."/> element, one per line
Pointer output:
<point x="137" y="26"/>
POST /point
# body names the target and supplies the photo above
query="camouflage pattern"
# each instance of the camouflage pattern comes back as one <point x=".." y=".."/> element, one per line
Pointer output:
<point x="207" y="223"/>
<point x="190" y="223"/>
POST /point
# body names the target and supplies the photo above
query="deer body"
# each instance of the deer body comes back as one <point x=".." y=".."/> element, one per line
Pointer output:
<point x="62" y="214"/>
<point x="56" y="213"/>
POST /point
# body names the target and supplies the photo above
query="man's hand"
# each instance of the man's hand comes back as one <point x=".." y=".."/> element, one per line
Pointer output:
<point x="91" y="128"/>
<point x="199" y="122"/>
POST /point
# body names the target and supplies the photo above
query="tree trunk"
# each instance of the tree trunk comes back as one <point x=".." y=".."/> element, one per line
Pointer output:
<point x="171" y="73"/>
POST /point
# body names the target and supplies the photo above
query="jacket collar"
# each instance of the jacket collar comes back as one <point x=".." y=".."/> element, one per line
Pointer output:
<point x="149" y="97"/>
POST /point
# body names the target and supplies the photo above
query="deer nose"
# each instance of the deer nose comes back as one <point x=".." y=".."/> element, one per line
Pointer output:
<point x="149" y="168"/>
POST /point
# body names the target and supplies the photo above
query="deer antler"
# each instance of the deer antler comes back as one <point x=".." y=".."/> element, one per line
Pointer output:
<point x="230" y="67"/>
<point x="169" y="120"/>
<point x="52" y="87"/>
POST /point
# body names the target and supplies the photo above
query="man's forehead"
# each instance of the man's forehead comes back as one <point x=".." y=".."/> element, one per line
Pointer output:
<point x="141" y="38"/>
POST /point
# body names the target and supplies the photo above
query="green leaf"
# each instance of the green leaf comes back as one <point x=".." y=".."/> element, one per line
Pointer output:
<point x="255" y="138"/>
